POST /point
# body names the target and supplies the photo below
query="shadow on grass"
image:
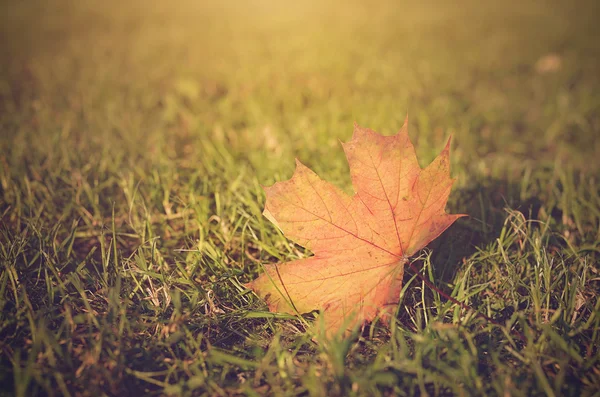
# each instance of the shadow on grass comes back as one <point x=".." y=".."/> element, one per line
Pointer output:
<point x="486" y="205"/>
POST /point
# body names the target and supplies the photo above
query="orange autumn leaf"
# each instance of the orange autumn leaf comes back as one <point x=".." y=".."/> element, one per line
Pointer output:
<point x="361" y="242"/>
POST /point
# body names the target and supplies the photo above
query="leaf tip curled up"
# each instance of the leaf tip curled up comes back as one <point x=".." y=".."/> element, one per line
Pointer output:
<point x="301" y="169"/>
<point x="447" y="147"/>
<point x="360" y="242"/>
<point x="356" y="133"/>
<point x="405" y="125"/>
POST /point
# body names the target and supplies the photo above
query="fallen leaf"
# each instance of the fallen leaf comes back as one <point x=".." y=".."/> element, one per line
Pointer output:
<point x="361" y="242"/>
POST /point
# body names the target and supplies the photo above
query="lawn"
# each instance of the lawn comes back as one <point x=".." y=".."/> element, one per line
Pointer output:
<point x="135" y="138"/>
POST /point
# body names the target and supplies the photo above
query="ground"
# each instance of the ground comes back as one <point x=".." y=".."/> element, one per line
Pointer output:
<point x="136" y="138"/>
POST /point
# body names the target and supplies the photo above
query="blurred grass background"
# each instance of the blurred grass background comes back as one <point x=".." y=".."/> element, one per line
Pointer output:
<point x="135" y="137"/>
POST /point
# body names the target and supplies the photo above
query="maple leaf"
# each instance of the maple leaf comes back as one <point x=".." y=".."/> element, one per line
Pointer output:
<point x="361" y="242"/>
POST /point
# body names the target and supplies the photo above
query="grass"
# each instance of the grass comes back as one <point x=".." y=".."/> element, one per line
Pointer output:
<point x="135" y="138"/>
